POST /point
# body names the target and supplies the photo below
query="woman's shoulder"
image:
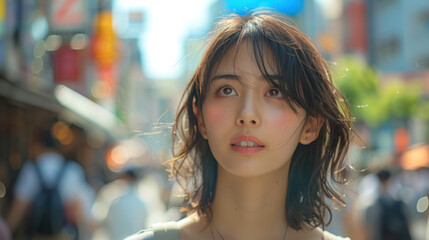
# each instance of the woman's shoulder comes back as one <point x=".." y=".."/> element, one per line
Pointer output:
<point x="142" y="235"/>
<point x="316" y="233"/>
<point x="161" y="231"/>
<point x="329" y="236"/>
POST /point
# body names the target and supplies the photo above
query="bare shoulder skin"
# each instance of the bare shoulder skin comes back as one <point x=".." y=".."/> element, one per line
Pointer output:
<point x="193" y="227"/>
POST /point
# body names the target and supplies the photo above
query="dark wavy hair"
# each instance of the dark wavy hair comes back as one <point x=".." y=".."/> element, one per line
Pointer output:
<point x="305" y="82"/>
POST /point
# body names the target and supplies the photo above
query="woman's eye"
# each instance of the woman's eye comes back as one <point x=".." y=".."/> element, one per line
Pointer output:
<point x="227" y="91"/>
<point x="275" y="93"/>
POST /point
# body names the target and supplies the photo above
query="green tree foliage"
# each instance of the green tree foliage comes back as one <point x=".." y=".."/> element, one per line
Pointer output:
<point x="371" y="100"/>
<point x="402" y="99"/>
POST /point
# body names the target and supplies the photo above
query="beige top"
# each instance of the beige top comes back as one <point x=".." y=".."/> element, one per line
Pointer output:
<point x="169" y="231"/>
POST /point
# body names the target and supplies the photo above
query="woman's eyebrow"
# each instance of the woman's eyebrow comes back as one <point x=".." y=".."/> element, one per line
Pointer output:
<point x="225" y="76"/>
<point x="271" y="76"/>
<point x="274" y="77"/>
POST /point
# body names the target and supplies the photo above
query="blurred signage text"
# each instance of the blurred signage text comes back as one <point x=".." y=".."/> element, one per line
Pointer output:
<point x="67" y="15"/>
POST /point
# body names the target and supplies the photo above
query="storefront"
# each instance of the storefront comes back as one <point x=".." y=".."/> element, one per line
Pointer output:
<point x="22" y="111"/>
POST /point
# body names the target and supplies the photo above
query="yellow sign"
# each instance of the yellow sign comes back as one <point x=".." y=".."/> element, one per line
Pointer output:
<point x="104" y="39"/>
<point x="2" y="10"/>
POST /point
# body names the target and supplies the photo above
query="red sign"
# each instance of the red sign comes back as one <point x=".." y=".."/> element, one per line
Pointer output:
<point x="67" y="65"/>
<point x="356" y="16"/>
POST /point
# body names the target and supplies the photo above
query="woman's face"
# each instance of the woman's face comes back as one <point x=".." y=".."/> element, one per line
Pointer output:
<point x="250" y="128"/>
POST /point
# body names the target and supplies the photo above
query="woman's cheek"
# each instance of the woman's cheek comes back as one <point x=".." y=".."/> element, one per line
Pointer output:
<point x="214" y="115"/>
<point x="285" y="121"/>
<point x="281" y="118"/>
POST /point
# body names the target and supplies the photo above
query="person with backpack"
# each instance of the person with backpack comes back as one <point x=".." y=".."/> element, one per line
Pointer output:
<point x="387" y="218"/>
<point x="46" y="192"/>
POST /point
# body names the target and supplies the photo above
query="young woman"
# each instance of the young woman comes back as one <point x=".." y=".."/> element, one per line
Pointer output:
<point x="260" y="134"/>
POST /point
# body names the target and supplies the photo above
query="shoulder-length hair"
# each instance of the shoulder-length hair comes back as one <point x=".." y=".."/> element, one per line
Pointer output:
<point x="305" y="82"/>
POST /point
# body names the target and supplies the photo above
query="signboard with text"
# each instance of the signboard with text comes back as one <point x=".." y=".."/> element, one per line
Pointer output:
<point x="67" y="15"/>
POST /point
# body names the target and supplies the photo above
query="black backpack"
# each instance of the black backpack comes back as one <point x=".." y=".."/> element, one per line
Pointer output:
<point x="47" y="215"/>
<point x="394" y="223"/>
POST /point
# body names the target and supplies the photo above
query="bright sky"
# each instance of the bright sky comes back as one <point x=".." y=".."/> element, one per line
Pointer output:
<point x="331" y="8"/>
<point x="168" y="24"/>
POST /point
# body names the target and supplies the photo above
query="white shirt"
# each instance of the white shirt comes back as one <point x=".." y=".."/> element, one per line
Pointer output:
<point x="28" y="185"/>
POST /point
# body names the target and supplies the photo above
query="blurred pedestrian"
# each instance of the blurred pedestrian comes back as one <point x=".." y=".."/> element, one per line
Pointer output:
<point x="261" y="130"/>
<point x="128" y="213"/>
<point x="60" y="182"/>
<point x="427" y="228"/>
<point x="4" y="230"/>
<point x="387" y="218"/>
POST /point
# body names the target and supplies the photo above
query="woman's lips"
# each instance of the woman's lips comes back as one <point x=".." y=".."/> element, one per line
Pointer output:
<point x="247" y="144"/>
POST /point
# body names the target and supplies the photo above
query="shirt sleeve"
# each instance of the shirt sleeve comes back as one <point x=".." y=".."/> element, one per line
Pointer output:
<point x="329" y="236"/>
<point x="27" y="184"/>
<point x="142" y="235"/>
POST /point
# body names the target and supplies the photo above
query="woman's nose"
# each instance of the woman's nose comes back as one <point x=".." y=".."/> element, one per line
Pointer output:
<point x="249" y="113"/>
<point x="244" y="122"/>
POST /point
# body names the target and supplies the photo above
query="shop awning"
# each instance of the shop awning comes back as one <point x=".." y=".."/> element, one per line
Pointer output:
<point x="16" y="92"/>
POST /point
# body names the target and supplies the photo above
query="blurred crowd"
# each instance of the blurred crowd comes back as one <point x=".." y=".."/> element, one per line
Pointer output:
<point x="55" y="197"/>
<point x="387" y="203"/>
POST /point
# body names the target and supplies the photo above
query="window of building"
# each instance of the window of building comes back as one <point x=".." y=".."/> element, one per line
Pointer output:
<point x="388" y="49"/>
<point x="423" y="62"/>
<point x="381" y="4"/>
<point x="424" y="19"/>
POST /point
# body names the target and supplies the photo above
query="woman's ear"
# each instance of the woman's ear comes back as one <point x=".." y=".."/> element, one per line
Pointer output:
<point x="200" y="121"/>
<point x="311" y="130"/>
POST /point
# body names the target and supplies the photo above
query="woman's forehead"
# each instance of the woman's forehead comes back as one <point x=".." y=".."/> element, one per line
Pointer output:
<point x="244" y="58"/>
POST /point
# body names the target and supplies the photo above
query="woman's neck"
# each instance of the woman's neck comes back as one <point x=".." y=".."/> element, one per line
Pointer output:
<point x="250" y="205"/>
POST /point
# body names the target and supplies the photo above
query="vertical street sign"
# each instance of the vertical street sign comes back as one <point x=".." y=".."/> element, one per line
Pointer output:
<point x="67" y="64"/>
<point x="2" y="17"/>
